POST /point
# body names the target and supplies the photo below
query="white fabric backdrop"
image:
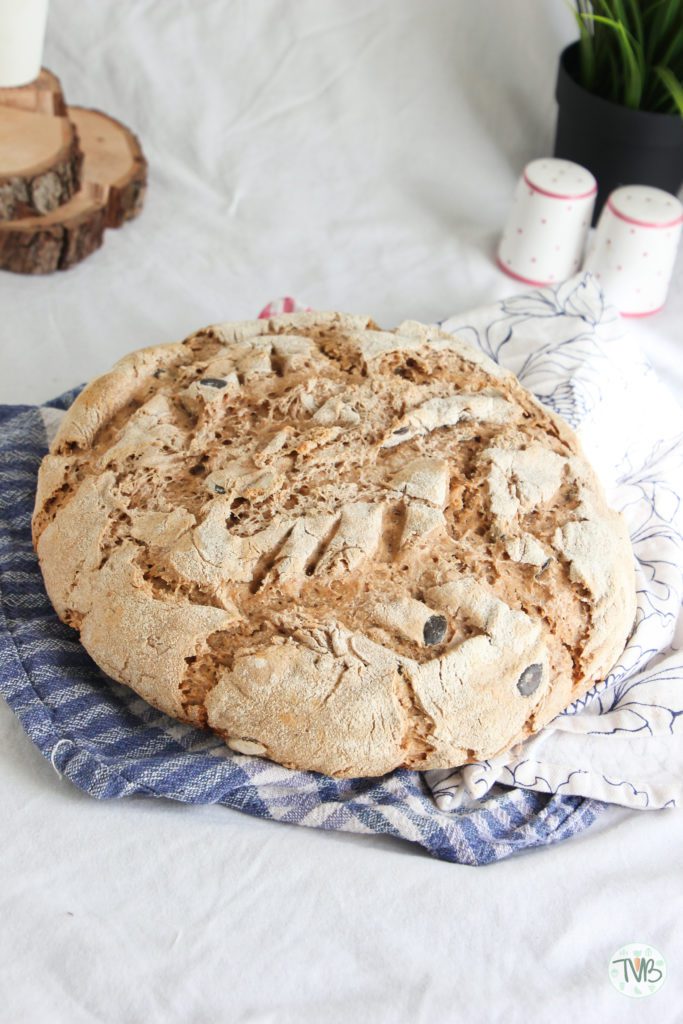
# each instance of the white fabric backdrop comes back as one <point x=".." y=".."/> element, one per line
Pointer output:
<point x="359" y="154"/>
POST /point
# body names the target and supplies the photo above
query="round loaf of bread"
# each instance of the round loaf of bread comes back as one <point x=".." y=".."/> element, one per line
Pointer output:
<point x="342" y="548"/>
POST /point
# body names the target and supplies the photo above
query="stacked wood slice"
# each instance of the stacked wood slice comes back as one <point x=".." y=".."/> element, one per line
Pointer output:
<point x="66" y="174"/>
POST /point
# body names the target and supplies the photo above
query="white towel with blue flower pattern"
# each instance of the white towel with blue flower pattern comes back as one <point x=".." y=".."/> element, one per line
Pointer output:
<point x="623" y="741"/>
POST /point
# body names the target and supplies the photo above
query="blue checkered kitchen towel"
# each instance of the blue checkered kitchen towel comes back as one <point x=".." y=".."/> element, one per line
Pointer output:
<point x="110" y="743"/>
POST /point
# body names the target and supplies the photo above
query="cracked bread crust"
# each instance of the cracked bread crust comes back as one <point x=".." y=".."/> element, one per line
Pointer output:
<point x="342" y="548"/>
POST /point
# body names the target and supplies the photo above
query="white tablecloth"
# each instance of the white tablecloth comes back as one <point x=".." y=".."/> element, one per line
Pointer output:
<point x="359" y="154"/>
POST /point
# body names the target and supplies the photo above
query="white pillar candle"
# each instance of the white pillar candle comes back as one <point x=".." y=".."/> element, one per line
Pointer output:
<point x="22" y="33"/>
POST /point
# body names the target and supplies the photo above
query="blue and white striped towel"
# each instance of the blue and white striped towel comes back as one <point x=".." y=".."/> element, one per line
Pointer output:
<point x="110" y="743"/>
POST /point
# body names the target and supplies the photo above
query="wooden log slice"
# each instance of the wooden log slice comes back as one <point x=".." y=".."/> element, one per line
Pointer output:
<point x="114" y="179"/>
<point x="42" y="96"/>
<point x="114" y="161"/>
<point x="40" y="162"/>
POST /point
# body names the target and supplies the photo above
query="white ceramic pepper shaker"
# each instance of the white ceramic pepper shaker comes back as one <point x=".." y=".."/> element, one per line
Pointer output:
<point x="633" y="252"/>
<point x="546" y="232"/>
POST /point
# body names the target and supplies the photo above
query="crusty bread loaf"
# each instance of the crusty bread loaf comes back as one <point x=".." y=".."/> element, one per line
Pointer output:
<point x="342" y="548"/>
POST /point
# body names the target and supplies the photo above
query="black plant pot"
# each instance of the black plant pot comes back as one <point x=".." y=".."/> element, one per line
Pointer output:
<point x="618" y="145"/>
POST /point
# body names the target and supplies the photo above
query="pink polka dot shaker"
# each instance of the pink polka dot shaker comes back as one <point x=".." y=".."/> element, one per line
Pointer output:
<point x="633" y="251"/>
<point x="546" y="232"/>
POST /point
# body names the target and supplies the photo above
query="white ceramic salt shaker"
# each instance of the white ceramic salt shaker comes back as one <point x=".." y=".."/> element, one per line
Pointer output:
<point x="633" y="251"/>
<point x="546" y="232"/>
